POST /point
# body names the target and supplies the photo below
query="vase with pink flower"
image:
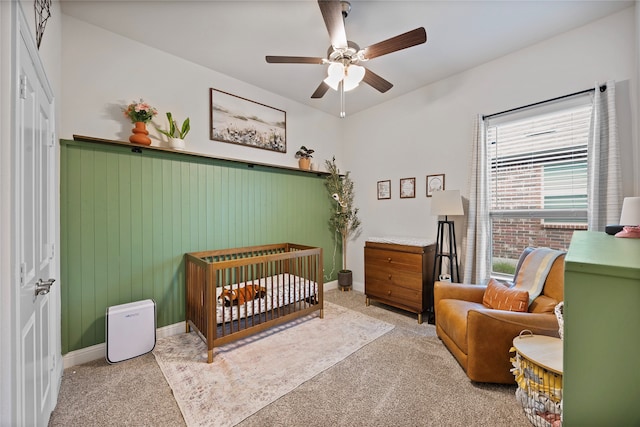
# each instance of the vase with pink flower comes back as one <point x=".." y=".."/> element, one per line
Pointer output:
<point x="140" y="113"/>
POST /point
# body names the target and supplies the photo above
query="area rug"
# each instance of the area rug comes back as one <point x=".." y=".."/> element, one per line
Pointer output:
<point x="249" y="374"/>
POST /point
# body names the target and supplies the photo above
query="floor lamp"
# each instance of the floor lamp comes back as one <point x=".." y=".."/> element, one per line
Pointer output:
<point x="447" y="203"/>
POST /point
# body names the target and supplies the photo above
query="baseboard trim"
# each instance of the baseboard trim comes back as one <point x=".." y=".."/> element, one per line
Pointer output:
<point x="334" y="285"/>
<point x="330" y="285"/>
<point x="98" y="351"/>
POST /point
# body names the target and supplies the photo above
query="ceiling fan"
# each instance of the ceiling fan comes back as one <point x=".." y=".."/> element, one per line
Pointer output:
<point x="344" y="56"/>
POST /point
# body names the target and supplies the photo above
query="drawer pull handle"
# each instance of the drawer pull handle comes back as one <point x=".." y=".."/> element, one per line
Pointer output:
<point x="389" y="292"/>
<point x="389" y="259"/>
<point x="389" y="277"/>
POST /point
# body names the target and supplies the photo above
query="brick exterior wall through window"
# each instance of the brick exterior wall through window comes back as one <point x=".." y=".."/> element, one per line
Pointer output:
<point x="511" y="235"/>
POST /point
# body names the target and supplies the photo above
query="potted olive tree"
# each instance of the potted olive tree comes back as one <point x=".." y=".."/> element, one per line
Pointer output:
<point x="344" y="219"/>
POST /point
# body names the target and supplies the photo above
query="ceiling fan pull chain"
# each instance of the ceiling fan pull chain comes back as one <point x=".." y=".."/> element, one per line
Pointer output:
<point x="342" y="109"/>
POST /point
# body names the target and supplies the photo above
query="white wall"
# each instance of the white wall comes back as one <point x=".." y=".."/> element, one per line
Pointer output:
<point x="102" y="72"/>
<point x="429" y="131"/>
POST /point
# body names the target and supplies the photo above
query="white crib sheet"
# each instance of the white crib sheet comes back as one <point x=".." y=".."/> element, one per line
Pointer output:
<point x="282" y="289"/>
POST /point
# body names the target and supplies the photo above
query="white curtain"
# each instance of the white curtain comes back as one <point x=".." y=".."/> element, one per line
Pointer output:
<point x="476" y="261"/>
<point x="604" y="189"/>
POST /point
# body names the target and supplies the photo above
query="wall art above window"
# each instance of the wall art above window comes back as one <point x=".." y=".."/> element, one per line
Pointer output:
<point x="241" y="121"/>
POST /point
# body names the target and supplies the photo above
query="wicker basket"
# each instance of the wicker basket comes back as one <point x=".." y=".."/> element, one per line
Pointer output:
<point x="539" y="391"/>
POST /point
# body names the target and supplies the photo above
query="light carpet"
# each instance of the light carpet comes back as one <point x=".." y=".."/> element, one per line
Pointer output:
<point x="251" y="373"/>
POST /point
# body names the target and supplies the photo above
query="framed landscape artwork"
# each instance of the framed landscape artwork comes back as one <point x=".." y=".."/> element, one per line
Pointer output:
<point x="407" y="188"/>
<point x="384" y="190"/>
<point x="241" y="121"/>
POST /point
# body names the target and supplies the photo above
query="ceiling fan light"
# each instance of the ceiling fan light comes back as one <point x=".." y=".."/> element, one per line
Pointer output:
<point x="336" y="69"/>
<point x="333" y="83"/>
<point x="335" y="74"/>
<point x="353" y="76"/>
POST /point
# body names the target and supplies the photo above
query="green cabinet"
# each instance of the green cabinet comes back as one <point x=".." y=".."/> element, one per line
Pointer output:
<point x="602" y="331"/>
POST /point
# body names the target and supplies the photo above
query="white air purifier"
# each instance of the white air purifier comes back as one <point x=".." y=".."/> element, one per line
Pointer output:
<point x="131" y="330"/>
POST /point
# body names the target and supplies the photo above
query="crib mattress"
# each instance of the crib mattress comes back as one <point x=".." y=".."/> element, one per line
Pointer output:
<point x="282" y="289"/>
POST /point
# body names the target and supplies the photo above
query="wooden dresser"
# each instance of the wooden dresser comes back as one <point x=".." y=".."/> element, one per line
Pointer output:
<point x="400" y="274"/>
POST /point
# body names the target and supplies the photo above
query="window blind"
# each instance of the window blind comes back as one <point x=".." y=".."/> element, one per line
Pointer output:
<point x="538" y="161"/>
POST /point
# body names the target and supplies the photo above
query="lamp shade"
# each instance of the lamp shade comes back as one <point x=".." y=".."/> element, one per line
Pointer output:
<point x="446" y="202"/>
<point x="630" y="214"/>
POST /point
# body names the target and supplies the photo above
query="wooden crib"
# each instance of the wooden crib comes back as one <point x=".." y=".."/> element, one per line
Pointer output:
<point x="288" y="275"/>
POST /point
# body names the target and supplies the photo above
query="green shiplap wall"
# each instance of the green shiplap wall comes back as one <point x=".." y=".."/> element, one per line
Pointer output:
<point x="128" y="218"/>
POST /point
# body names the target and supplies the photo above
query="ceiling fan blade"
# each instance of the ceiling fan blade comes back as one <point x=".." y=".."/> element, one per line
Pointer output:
<point x="293" y="60"/>
<point x="321" y="90"/>
<point x="332" y="13"/>
<point x="403" y="41"/>
<point x="375" y="81"/>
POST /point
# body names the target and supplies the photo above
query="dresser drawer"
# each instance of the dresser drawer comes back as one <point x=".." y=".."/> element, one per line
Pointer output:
<point x="408" y="298"/>
<point x="397" y="260"/>
<point x="390" y="276"/>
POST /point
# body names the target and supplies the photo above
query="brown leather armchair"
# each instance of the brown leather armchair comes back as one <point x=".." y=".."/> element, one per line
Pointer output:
<point x="479" y="337"/>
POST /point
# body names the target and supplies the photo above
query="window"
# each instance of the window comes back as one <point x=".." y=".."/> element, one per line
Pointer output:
<point x="537" y="178"/>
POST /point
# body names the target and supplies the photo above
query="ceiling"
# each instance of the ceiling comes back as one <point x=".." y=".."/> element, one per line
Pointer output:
<point x="233" y="37"/>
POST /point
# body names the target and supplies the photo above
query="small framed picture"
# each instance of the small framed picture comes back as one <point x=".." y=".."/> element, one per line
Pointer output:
<point x="407" y="188"/>
<point x="384" y="189"/>
<point x="435" y="183"/>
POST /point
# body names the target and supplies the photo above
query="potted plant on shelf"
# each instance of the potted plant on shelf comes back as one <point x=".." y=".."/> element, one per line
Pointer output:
<point x="176" y="134"/>
<point x="305" y="155"/>
<point x="344" y="219"/>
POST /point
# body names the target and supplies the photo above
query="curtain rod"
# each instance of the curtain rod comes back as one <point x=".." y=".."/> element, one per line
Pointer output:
<point x="488" y="116"/>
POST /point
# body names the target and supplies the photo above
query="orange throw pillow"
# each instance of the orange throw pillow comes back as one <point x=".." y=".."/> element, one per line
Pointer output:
<point x="500" y="297"/>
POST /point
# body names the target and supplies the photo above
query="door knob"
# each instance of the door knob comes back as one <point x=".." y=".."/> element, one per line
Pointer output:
<point x="44" y="286"/>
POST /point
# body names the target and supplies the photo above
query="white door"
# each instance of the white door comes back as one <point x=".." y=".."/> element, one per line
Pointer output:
<point x="35" y="253"/>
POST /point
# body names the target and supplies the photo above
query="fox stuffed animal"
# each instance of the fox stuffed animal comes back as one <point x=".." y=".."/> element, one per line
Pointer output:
<point x="241" y="295"/>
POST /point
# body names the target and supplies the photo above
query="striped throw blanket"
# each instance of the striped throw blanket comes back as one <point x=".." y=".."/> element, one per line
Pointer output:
<point x="534" y="270"/>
